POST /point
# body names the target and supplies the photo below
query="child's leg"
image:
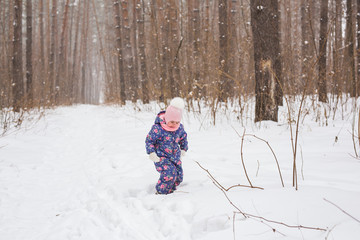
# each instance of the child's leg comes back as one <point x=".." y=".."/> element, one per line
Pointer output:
<point x="167" y="178"/>
<point x="179" y="173"/>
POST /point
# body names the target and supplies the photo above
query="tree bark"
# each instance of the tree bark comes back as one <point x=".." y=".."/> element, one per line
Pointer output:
<point x="136" y="54"/>
<point x="338" y="56"/>
<point x="358" y="49"/>
<point x="53" y="36"/>
<point x="142" y="40"/>
<point x="266" y="53"/>
<point x="322" y="91"/>
<point x="17" y="73"/>
<point x="63" y="76"/>
<point x="74" y="83"/>
<point x="350" y="49"/>
<point x="176" y="43"/>
<point x="225" y="89"/>
<point x="29" y="68"/>
<point x="127" y="53"/>
<point x="164" y="68"/>
<point x="116" y="8"/>
<point x="84" y="54"/>
<point x="196" y="49"/>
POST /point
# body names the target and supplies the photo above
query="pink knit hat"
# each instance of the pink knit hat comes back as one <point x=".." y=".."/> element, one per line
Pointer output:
<point x="174" y="110"/>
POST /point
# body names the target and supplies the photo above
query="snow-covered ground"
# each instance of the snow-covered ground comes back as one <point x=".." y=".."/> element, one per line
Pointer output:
<point x="81" y="172"/>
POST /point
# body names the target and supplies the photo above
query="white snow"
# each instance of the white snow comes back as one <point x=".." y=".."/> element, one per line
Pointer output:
<point x="81" y="172"/>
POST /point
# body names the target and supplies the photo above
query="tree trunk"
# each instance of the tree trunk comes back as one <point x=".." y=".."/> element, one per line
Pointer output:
<point x="189" y="54"/>
<point x="74" y="90"/>
<point x="224" y="84"/>
<point x="322" y="91"/>
<point x="17" y="73"/>
<point x="338" y="49"/>
<point x="29" y="68"/>
<point x="176" y="43"/>
<point x="164" y="26"/>
<point x="135" y="47"/>
<point x="53" y="36"/>
<point x="196" y="48"/>
<point x="266" y="46"/>
<point x="42" y="51"/>
<point x="119" y="50"/>
<point x="156" y="50"/>
<point x="127" y="53"/>
<point x="63" y="76"/>
<point x="204" y="47"/>
<point x="275" y="44"/>
<point x="358" y="49"/>
<point x="142" y="40"/>
<point x="350" y="48"/>
<point x="84" y="56"/>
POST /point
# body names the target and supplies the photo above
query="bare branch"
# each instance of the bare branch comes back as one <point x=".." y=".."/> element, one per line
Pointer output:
<point x="341" y="210"/>
<point x="251" y="135"/>
<point x="247" y="215"/>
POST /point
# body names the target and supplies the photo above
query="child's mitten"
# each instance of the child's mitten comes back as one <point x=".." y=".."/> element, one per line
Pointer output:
<point x="153" y="157"/>
<point x="183" y="152"/>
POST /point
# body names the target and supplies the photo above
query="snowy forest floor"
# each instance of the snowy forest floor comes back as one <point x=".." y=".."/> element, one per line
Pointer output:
<point x="81" y="172"/>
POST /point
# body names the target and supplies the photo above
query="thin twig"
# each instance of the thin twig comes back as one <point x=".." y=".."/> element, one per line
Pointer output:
<point x="221" y="186"/>
<point x="341" y="210"/>
<point x="247" y="215"/>
<point x="242" y="158"/>
<point x="277" y="162"/>
<point x="252" y="135"/>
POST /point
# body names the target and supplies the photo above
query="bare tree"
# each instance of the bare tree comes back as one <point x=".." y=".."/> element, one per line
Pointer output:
<point x="84" y="54"/>
<point x="338" y="48"/>
<point x="358" y="49"/>
<point x="53" y="36"/>
<point x="142" y="39"/>
<point x="135" y="50"/>
<point x="127" y="53"/>
<point x="63" y="76"/>
<point x="29" y="68"/>
<point x="266" y="50"/>
<point x="17" y="73"/>
<point x="176" y="44"/>
<point x="74" y="86"/>
<point x="119" y="50"/>
<point x="224" y="82"/>
<point x="350" y="48"/>
<point x="322" y="51"/>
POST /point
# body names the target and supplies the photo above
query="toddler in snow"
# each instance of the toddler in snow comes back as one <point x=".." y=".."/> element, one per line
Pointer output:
<point x="166" y="143"/>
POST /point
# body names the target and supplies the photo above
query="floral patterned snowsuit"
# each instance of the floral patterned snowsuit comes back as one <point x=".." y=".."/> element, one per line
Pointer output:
<point x="167" y="146"/>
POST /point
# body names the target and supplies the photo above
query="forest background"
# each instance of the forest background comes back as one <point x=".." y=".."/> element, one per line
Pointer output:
<point x="61" y="52"/>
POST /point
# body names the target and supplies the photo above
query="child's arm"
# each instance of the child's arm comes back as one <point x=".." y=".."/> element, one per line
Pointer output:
<point x="183" y="141"/>
<point x="151" y="139"/>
